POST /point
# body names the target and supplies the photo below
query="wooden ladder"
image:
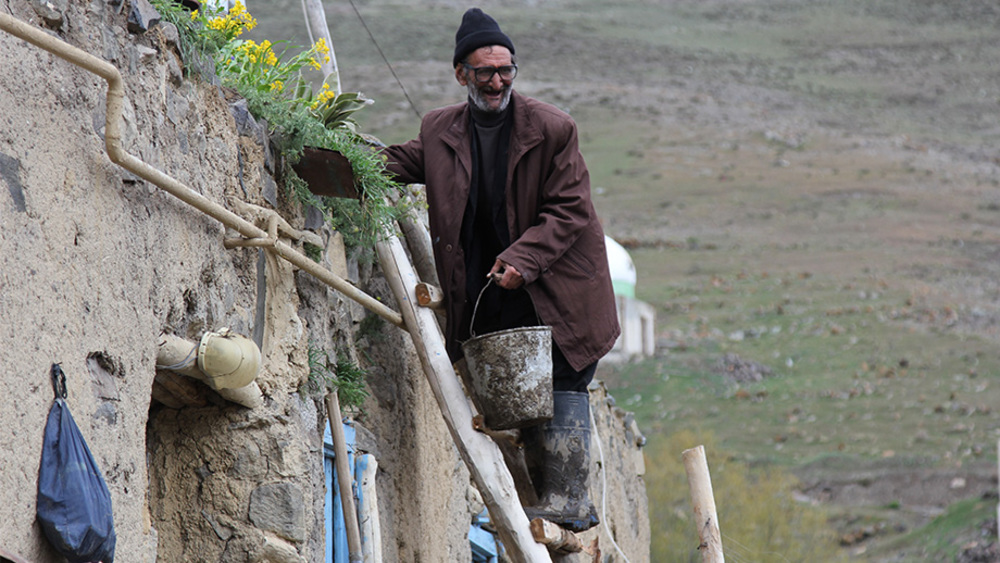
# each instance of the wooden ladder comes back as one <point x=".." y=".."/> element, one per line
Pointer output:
<point x="479" y="452"/>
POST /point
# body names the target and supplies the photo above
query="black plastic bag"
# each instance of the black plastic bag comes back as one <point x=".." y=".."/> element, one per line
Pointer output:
<point x="74" y="505"/>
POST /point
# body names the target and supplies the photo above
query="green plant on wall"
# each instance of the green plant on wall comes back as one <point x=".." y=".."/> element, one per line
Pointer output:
<point x="203" y="32"/>
<point x="340" y="374"/>
<point x="332" y="109"/>
<point x="275" y="91"/>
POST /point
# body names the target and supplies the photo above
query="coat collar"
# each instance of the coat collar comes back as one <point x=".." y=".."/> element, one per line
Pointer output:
<point x="526" y="134"/>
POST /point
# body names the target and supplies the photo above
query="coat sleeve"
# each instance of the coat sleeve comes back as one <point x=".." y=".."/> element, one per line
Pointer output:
<point x="565" y="208"/>
<point x="406" y="161"/>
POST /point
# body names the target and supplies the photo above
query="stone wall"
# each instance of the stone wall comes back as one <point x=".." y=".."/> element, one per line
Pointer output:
<point x="95" y="264"/>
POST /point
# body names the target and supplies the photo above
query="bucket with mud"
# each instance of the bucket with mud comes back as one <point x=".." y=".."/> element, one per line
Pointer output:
<point x="510" y="372"/>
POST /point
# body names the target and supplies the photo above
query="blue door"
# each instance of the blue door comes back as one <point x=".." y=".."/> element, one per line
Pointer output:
<point x="336" y="531"/>
<point x="484" y="544"/>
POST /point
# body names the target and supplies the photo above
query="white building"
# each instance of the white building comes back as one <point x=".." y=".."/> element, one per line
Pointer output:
<point x="637" y="318"/>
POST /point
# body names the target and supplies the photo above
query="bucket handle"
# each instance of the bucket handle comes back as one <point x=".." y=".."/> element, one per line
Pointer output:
<point x="472" y="323"/>
<point x="489" y="280"/>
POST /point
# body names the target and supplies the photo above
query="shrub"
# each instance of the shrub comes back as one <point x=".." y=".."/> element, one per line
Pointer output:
<point x="759" y="518"/>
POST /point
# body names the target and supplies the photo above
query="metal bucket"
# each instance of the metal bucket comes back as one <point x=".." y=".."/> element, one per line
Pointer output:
<point x="510" y="372"/>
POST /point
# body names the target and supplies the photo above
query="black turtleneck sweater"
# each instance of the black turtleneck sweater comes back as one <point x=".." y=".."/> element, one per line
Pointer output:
<point x="485" y="233"/>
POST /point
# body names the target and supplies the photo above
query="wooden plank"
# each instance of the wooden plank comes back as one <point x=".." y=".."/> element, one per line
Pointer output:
<point x="480" y="454"/>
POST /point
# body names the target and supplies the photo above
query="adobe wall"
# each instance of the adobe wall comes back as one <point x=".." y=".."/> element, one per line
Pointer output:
<point x="96" y="263"/>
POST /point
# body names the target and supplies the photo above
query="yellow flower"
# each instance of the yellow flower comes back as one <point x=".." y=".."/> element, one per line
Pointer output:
<point x="321" y="46"/>
<point x="234" y="23"/>
<point x="271" y="58"/>
<point x="194" y="15"/>
<point x="277" y="86"/>
<point x="315" y="64"/>
<point x="326" y="58"/>
<point x="323" y="97"/>
<point x="242" y="17"/>
<point x="247" y="49"/>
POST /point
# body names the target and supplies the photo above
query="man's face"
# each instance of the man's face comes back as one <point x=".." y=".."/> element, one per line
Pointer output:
<point x="494" y="94"/>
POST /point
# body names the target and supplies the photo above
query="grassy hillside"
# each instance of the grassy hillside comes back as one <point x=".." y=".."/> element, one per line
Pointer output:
<point x="810" y="193"/>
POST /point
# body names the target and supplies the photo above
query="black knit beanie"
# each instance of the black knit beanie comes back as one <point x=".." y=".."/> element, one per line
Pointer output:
<point x="478" y="30"/>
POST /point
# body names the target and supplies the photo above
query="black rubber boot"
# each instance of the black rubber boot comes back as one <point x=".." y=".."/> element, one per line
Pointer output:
<point x="563" y="444"/>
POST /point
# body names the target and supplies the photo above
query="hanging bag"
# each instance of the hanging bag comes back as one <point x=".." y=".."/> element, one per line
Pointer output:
<point x="74" y="505"/>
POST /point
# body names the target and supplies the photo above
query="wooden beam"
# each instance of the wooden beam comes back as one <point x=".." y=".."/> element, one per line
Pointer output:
<point x="480" y="454"/>
<point x="177" y="391"/>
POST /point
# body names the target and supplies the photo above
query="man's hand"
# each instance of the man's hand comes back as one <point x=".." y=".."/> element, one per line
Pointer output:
<point x="505" y="275"/>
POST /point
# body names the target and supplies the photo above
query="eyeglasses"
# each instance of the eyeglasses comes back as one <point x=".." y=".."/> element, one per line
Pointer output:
<point x="485" y="73"/>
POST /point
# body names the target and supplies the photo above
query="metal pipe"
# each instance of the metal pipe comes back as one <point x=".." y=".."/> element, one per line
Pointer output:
<point x="112" y="143"/>
<point x="181" y="356"/>
<point x="257" y="213"/>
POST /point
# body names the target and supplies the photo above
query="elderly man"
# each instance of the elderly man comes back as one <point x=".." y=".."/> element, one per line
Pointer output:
<point x="509" y="200"/>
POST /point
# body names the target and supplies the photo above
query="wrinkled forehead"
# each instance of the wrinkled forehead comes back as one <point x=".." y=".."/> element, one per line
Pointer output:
<point x="491" y="55"/>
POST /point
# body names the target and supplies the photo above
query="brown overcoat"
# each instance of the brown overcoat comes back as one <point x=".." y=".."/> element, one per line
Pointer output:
<point x="557" y="241"/>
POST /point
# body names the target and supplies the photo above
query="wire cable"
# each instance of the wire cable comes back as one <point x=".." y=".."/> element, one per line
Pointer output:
<point x="604" y="484"/>
<point x="386" y="60"/>
<point x="305" y="14"/>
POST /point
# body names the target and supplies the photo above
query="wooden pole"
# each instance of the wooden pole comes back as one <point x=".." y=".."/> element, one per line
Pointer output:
<point x="703" y="503"/>
<point x="430" y="296"/>
<point x="418" y="240"/>
<point x="344" y="477"/>
<point x="316" y="22"/>
<point x="555" y="538"/>
<point x="480" y="454"/>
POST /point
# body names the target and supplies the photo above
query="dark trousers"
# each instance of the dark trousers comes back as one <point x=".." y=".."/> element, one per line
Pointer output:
<point x="565" y="378"/>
